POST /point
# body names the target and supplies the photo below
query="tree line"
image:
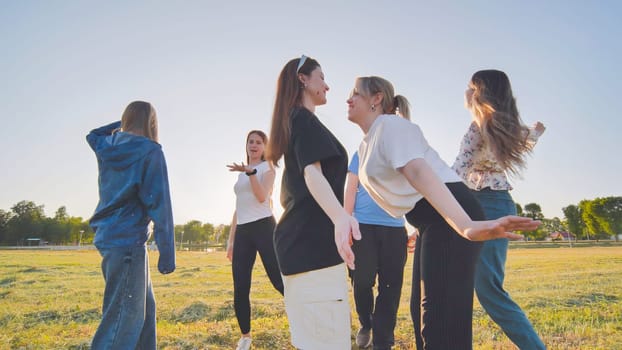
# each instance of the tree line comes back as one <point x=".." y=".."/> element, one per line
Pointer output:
<point x="26" y="224"/>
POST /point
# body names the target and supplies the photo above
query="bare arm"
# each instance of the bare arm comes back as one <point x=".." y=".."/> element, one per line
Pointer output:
<point x="346" y="227"/>
<point x="234" y="225"/>
<point x="261" y="189"/>
<point x="352" y="182"/>
<point x="425" y="181"/>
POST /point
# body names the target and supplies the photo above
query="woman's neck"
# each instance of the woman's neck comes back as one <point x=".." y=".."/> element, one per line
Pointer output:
<point x="308" y="103"/>
<point x="255" y="161"/>
<point x="367" y="122"/>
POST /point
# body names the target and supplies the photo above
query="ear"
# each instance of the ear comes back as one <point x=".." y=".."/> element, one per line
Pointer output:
<point x="377" y="99"/>
<point x="302" y="78"/>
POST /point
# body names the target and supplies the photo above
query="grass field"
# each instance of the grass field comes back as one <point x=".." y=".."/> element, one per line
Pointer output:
<point x="52" y="300"/>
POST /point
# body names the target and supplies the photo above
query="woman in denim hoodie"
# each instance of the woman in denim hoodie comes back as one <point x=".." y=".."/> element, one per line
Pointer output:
<point x="133" y="191"/>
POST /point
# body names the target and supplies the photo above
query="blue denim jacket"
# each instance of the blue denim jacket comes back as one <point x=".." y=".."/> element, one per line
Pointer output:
<point x="133" y="190"/>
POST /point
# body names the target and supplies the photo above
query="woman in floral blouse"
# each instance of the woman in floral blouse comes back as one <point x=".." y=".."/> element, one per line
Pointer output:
<point x="494" y="146"/>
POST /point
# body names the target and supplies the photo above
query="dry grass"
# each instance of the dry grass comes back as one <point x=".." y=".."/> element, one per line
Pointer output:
<point x="52" y="300"/>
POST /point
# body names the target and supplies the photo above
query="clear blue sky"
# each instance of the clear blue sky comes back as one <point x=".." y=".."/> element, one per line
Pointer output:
<point x="210" y="69"/>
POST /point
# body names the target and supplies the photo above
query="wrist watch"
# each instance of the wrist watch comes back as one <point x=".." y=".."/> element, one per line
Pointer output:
<point x="249" y="173"/>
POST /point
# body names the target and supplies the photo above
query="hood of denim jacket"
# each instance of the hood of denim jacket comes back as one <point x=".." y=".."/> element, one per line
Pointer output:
<point x="121" y="149"/>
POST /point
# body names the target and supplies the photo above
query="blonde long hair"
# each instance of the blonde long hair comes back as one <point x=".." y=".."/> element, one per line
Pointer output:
<point x="494" y="108"/>
<point x="140" y="118"/>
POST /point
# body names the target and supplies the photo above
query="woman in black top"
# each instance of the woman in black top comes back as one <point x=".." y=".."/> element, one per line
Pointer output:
<point x="312" y="239"/>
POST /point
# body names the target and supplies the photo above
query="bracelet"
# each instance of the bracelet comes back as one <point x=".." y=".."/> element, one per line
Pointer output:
<point x="251" y="172"/>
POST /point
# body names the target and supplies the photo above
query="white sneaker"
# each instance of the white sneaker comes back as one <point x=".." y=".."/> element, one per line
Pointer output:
<point x="244" y="343"/>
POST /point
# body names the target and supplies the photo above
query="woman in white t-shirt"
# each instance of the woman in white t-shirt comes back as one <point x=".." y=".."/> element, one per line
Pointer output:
<point x="405" y="176"/>
<point x="252" y="228"/>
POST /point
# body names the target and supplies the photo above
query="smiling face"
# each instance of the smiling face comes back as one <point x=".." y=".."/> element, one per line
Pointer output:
<point x="358" y="105"/>
<point x="255" y="145"/>
<point x="315" y="87"/>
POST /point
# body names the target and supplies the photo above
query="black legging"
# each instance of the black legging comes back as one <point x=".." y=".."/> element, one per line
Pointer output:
<point x="249" y="239"/>
<point x="441" y="304"/>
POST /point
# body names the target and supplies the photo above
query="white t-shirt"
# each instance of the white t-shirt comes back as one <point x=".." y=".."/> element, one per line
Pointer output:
<point x="390" y="144"/>
<point x="247" y="207"/>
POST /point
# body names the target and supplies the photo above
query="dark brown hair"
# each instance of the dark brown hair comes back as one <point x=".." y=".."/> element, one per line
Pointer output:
<point x="289" y="90"/>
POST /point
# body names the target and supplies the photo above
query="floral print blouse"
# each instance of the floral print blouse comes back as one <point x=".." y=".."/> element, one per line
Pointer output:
<point x="476" y="164"/>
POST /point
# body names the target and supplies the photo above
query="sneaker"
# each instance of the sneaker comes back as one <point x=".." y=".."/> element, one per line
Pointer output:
<point x="244" y="343"/>
<point x="363" y="338"/>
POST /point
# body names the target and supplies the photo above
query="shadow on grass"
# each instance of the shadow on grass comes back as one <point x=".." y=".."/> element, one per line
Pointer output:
<point x="8" y="282"/>
<point x="589" y="299"/>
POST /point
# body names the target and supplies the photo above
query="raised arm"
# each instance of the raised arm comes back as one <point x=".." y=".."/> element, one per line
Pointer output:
<point x="261" y="189"/>
<point x="425" y="181"/>
<point x="346" y="227"/>
<point x="105" y="130"/>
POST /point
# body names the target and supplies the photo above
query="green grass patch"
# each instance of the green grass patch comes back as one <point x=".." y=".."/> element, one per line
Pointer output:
<point x="52" y="300"/>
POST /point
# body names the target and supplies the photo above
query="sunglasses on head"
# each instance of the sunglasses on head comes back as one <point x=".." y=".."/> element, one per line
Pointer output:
<point x="301" y="62"/>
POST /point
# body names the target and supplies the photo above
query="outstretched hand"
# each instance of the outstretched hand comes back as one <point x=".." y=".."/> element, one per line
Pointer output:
<point x="239" y="167"/>
<point x="500" y="228"/>
<point x="346" y="229"/>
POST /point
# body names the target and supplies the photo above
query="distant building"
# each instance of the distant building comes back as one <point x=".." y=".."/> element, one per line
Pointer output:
<point x="562" y="236"/>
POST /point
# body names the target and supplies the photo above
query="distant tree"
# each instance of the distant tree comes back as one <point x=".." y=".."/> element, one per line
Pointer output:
<point x="574" y="222"/>
<point x="222" y="233"/>
<point x="193" y="231"/>
<point x="5" y="216"/>
<point x="208" y="232"/>
<point x="533" y="211"/>
<point x="519" y="210"/>
<point x="61" y="214"/>
<point x="552" y="225"/>
<point x="592" y="224"/>
<point x="608" y="213"/>
<point x="27" y="221"/>
<point x="56" y="231"/>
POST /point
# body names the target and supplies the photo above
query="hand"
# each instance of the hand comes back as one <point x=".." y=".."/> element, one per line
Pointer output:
<point x="346" y="229"/>
<point x="500" y="228"/>
<point x="412" y="242"/>
<point x="539" y="128"/>
<point x="239" y="167"/>
<point x="230" y="251"/>
<point x="166" y="262"/>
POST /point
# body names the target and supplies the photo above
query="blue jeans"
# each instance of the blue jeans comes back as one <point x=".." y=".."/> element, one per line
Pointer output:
<point x="129" y="311"/>
<point x="490" y="274"/>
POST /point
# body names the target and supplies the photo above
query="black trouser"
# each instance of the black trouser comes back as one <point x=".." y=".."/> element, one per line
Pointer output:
<point x="441" y="304"/>
<point x="249" y="239"/>
<point x="382" y="252"/>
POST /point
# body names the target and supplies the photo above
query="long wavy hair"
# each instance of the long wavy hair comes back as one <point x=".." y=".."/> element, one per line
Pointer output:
<point x="140" y="117"/>
<point x="289" y="92"/>
<point x="391" y="103"/>
<point x="494" y="108"/>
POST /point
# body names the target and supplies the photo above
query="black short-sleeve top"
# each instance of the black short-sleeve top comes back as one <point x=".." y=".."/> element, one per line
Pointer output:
<point x="304" y="237"/>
